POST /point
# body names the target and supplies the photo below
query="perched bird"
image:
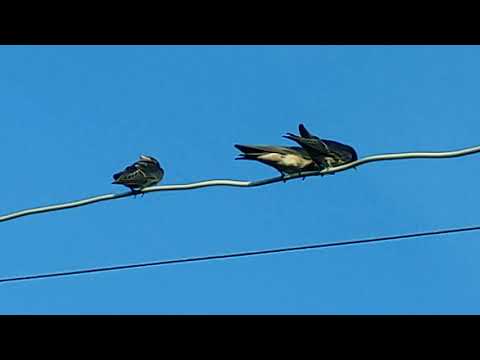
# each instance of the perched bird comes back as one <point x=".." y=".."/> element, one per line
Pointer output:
<point x="144" y="172"/>
<point x="286" y="159"/>
<point x="325" y="153"/>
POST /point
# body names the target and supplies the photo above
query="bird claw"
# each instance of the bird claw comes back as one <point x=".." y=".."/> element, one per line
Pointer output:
<point x="137" y="192"/>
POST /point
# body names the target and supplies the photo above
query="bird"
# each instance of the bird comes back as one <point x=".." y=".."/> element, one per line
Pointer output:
<point x="143" y="173"/>
<point x="325" y="153"/>
<point x="285" y="159"/>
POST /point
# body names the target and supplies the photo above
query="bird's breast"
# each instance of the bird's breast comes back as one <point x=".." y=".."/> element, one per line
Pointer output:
<point x="295" y="161"/>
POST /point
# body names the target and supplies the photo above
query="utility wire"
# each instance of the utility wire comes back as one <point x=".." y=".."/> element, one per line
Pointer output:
<point x="240" y="254"/>
<point x="238" y="183"/>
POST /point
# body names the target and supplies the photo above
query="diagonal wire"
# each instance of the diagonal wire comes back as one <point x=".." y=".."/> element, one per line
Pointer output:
<point x="235" y="255"/>
<point x="239" y="183"/>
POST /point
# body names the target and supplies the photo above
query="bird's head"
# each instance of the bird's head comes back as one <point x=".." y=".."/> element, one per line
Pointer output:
<point x="149" y="159"/>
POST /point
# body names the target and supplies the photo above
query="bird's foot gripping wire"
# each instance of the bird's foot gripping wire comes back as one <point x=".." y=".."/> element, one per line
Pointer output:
<point x="137" y="192"/>
<point x="327" y="168"/>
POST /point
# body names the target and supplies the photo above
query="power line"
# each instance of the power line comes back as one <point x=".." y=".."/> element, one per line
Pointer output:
<point x="239" y="183"/>
<point x="240" y="254"/>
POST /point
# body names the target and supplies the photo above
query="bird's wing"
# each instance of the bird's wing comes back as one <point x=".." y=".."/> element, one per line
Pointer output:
<point x="123" y="173"/>
<point x="303" y="131"/>
<point x="259" y="149"/>
<point x="151" y="170"/>
<point x="132" y="175"/>
<point x="308" y="144"/>
<point x="345" y="152"/>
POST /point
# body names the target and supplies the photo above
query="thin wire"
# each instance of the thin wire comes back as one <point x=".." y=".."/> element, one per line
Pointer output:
<point x="239" y="183"/>
<point x="234" y="255"/>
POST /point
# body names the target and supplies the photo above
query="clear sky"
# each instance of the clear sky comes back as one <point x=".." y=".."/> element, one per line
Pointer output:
<point x="71" y="116"/>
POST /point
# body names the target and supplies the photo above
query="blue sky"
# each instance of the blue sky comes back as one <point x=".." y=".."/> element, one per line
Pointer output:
<point x="71" y="116"/>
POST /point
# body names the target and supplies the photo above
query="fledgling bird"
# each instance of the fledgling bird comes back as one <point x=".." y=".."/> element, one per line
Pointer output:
<point x="285" y="159"/>
<point x="325" y="153"/>
<point x="143" y="173"/>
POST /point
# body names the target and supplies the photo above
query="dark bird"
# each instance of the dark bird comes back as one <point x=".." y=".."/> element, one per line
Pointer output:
<point x="144" y="172"/>
<point x="285" y="159"/>
<point x="325" y="153"/>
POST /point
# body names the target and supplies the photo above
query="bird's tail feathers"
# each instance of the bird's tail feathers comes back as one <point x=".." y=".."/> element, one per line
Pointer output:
<point x="247" y="149"/>
<point x="116" y="176"/>
<point x="247" y="157"/>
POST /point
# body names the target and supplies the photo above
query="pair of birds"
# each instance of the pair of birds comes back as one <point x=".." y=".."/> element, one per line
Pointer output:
<point x="313" y="154"/>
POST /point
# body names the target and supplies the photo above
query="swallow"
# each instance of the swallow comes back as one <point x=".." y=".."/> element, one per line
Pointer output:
<point x="285" y="159"/>
<point x="325" y="153"/>
<point x="143" y="173"/>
